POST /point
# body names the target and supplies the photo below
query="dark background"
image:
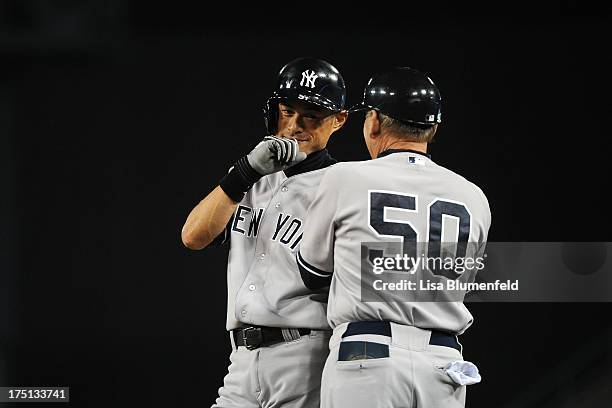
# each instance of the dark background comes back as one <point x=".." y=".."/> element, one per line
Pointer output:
<point x="118" y="117"/>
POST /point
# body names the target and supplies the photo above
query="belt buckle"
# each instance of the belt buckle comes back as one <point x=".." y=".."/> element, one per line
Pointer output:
<point x="252" y="333"/>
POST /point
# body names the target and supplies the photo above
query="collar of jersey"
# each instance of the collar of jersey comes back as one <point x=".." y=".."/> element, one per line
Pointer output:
<point x="314" y="161"/>
<point x="391" y="151"/>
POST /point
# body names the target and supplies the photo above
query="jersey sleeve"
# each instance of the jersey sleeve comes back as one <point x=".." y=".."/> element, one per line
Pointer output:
<point x="484" y="228"/>
<point x="315" y="259"/>
<point x="486" y="217"/>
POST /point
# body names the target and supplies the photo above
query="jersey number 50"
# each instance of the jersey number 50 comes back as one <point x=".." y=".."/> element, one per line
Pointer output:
<point x="436" y="210"/>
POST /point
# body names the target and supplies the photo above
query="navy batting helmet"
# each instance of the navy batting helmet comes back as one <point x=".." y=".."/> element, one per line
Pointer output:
<point x="310" y="80"/>
<point x="404" y="94"/>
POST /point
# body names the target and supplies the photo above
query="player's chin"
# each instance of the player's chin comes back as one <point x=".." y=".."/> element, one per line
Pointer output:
<point x="308" y="147"/>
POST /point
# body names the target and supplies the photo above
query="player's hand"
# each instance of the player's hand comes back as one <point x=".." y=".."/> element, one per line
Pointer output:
<point x="274" y="154"/>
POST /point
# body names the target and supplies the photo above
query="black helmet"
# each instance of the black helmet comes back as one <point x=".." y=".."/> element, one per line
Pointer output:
<point x="404" y="94"/>
<point x="310" y="80"/>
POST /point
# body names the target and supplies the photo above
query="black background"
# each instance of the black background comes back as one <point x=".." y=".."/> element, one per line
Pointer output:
<point x="118" y="117"/>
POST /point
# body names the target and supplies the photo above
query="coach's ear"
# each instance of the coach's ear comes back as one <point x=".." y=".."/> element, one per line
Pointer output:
<point x="375" y="123"/>
<point x="371" y="125"/>
<point x="339" y="120"/>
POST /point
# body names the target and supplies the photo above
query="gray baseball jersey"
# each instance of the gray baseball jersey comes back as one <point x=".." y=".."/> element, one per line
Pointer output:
<point x="264" y="284"/>
<point x="401" y="194"/>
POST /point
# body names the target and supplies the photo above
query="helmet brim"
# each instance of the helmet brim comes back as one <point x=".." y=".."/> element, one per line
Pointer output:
<point x="361" y="106"/>
<point x="307" y="97"/>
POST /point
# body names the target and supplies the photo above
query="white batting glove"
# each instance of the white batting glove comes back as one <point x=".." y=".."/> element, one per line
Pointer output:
<point x="275" y="154"/>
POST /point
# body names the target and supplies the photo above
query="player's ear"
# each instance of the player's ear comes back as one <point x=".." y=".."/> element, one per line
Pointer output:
<point x="340" y="119"/>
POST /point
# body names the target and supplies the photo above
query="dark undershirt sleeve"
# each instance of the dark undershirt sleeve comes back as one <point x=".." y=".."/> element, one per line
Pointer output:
<point x="224" y="236"/>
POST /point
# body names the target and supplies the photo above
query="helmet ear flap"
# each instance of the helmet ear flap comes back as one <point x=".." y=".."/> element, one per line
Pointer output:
<point x="270" y="113"/>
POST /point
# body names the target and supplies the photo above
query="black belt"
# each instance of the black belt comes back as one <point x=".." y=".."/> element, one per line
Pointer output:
<point x="438" y="338"/>
<point x="253" y="337"/>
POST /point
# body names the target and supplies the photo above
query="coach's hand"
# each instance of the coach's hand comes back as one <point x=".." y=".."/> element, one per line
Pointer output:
<point x="274" y="154"/>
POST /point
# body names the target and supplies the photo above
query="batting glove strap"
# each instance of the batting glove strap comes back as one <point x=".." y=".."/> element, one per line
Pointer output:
<point x="239" y="179"/>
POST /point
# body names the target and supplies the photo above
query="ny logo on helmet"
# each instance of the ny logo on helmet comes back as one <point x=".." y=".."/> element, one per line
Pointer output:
<point x="308" y="79"/>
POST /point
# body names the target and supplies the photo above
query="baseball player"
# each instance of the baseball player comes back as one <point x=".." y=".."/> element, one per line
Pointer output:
<point x="387" y="353"/>
<point x="278" y="327"/>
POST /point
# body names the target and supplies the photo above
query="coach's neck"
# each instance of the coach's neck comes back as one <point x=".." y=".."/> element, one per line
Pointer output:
<point x="379" y="138"/>
<point x="387" y="141"/>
